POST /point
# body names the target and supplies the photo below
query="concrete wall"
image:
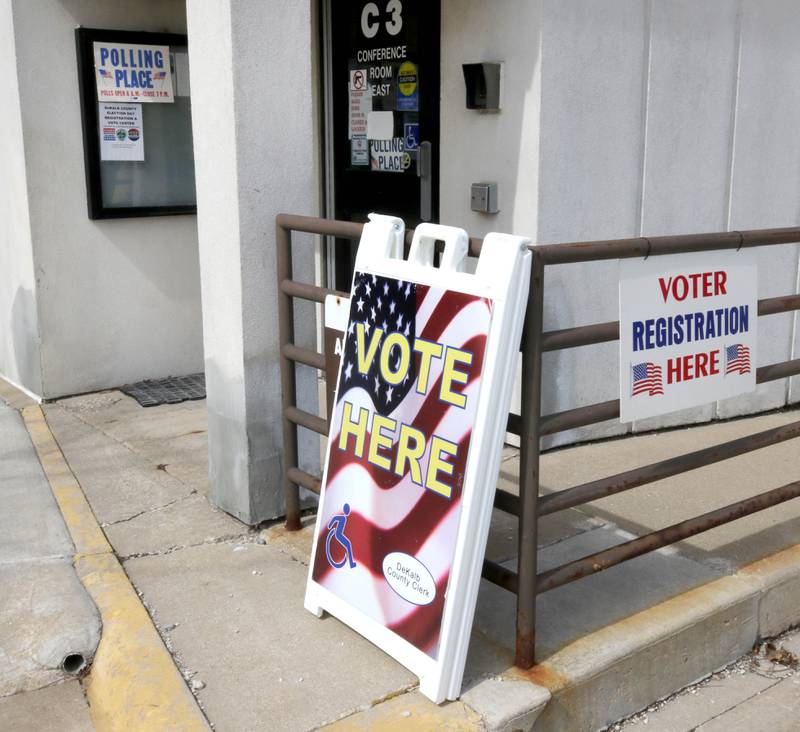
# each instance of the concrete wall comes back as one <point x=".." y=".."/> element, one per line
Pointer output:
<point x="118" y="301"/>
<point x="650" y="118"/>
<point x="500" y="147"/>
<point x="486" y="146"/>
<point x="19" y="326"/>
<point x="256" y="138"/>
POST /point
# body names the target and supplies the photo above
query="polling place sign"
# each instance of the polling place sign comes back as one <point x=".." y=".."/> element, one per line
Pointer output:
<point x="132" y="72"/>
<point x="687" y="330"/>
<point x="421" y="403"/>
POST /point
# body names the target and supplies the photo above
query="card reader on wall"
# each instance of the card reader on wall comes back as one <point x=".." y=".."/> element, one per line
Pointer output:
<point x="483" y="197"/>
<point x="483" y="85"/>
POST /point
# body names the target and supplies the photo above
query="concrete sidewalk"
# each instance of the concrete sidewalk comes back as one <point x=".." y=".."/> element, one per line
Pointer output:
<point x="61" y="707"/>
<point x="49" y="626"/>
<point x="227" y="599"/>
<point x="759" y="691"/>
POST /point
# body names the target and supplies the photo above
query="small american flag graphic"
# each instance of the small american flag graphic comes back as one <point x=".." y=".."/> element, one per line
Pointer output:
<point x="646" y="379"/>
<point x="159" y="75"/>
<point x="392" y="512"/>
<point x="737" y="359"/>
<point x="105" y="73"/>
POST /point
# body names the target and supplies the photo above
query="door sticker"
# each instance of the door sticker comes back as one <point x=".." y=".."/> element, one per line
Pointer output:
<point x="389" y="155"/>
<point x="358" y="80"/>
<point x="407" y="87"/>
<point x="359" y="150"/>
<point x="380" y="125"/>
<point x="360" y="108"/>
<point x="411" y="136"/>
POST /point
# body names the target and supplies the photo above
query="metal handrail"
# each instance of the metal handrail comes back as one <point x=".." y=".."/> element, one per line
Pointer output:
<point x="531" y="425"/>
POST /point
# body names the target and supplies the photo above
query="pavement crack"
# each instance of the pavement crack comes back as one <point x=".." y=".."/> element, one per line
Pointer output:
<point x="33" y="560"/>
<point x="406" y="689"/>
<point x="106" y="524"/>
<point x="225" y="539"/>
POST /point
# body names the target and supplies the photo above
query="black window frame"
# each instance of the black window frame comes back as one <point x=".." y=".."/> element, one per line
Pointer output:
<point x="84" y="40"/>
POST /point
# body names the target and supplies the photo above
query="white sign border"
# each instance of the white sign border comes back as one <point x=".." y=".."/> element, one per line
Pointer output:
<point x="502" y="275"/>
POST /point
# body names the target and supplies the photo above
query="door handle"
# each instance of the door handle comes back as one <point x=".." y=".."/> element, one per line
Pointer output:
<point x="425" y="173"/>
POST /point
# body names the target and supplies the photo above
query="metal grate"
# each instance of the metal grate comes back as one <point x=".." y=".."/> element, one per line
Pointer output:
<point x="172" y="390"/>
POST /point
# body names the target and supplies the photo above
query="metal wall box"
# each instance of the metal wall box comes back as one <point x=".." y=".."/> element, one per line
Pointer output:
<point x="483" y="197"/>
<point x="482" y="81"/>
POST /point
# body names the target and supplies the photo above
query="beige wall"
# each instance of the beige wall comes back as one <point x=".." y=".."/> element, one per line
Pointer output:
<point x="19" y="326"/>
<point x="117" y="300"/>
<point x="629" y="118"/>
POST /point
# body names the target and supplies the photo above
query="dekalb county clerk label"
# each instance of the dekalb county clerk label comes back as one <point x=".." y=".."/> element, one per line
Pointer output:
<point x="409" y="578"/>
<point x="687" y="330"/>
<point x="409" y="382"/>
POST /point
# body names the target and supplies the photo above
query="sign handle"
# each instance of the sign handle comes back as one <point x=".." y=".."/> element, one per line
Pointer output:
<point x="425" y="173"/>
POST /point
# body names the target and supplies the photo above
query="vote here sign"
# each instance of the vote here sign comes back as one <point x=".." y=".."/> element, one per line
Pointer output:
<point x="687" y="330"/>
<point x="419" y="414"/>
<point x="408" y="389"/>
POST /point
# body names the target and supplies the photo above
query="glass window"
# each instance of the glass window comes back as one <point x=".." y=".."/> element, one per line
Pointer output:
<point x="138" y="152"/>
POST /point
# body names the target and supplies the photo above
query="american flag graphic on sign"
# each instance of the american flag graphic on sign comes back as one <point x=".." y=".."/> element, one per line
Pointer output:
<point x="646" y="379"/>
<point x="374" y="503"/>
<point x="737" y="359"/>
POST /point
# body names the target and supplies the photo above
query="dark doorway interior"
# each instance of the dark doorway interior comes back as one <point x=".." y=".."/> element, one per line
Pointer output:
<point x="384" y="81"/>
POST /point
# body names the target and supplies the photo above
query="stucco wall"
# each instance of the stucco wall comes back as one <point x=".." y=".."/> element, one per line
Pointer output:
<point x="256" y="139"/>
<point x="19" y="327"/>
<point x="479" y="146"/>
<point x="650" y="118"/>
<point x="118" y="300"/>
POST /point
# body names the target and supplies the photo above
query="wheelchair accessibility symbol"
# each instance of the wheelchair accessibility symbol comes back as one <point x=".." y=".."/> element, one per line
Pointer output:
<point x="336" y="531"/>
<point x="411" y="135"/>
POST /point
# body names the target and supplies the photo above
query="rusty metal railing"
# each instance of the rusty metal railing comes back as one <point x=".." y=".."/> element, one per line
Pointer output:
<point x="531" y="425"/>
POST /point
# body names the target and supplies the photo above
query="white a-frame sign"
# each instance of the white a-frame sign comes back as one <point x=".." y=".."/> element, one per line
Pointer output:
<point x="414" y="450"/>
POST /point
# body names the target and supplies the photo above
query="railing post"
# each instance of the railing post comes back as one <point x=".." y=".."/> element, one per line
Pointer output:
<point x="283" y="257"/>
<point x="529" y="467"/>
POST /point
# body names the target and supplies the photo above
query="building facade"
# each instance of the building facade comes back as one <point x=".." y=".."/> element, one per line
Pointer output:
<point x="614" y="119"/>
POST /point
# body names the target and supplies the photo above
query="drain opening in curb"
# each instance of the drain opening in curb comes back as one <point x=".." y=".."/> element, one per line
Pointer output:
<point x="73" y="663"/>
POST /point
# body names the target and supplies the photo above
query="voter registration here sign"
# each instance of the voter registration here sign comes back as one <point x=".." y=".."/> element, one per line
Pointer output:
<point x="687" y="330"/>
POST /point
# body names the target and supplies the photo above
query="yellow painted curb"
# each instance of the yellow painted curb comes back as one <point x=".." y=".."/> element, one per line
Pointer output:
<point x="410" y="713"/>
<point x="132" y="683"/>
<point x="87" y="535"/>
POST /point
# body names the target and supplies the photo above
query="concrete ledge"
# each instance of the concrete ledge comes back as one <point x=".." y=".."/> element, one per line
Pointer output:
<point x="778" y="579"/>
<point x="133" y="682"/>
<point x="621" y="668"/>
<point x="506" y="704"/>
<point x="624" y="667"/>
